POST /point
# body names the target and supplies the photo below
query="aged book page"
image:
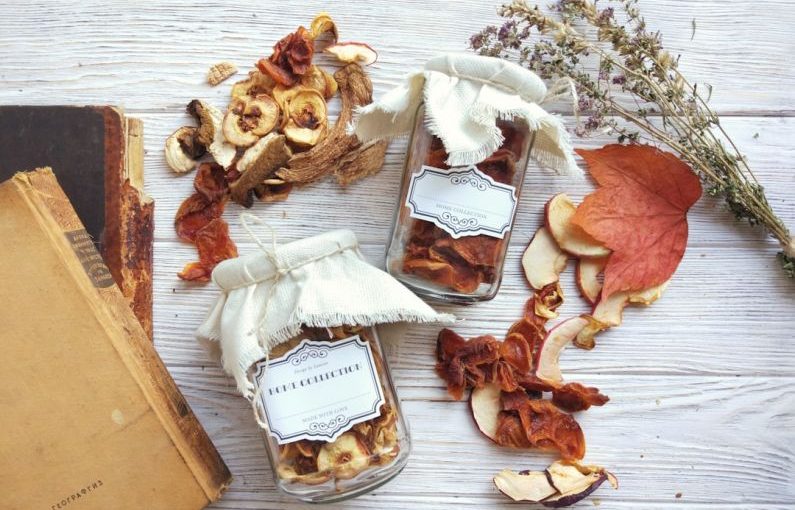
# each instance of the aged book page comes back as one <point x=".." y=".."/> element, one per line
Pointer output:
<point x="91" y="418"/>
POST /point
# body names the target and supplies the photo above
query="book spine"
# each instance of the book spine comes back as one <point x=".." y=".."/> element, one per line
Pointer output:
<point x="137" y="351"/>
<point x="129" y="214"/>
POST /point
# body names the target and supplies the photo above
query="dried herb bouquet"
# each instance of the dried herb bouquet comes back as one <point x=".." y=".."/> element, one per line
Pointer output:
<point x="605" y="53"/>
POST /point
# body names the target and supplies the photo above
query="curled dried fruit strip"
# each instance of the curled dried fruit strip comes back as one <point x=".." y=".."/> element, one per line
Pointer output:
<point x="195" y="213"/>
<point x="214" y="246"/>
<point x="469" y="363"/>
<point x="573" y="397"/>
<point x="210" y="182"/>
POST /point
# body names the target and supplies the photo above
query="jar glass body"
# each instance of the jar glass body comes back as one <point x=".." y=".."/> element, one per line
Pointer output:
<point x="452" y="225"/>
<point x="362" y="456"/>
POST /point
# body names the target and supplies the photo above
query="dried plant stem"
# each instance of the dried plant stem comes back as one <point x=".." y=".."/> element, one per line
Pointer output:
<point x="632" y="60"/>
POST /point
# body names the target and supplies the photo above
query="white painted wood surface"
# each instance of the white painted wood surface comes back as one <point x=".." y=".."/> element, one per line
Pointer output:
<point x="702" y="410"/>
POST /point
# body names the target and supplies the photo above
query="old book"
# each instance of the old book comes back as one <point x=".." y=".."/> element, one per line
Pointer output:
<point x="97" y="155"/>
<point x="91" y="419"/>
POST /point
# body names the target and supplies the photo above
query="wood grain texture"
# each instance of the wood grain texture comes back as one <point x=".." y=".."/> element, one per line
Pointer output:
<point x="701" y="383"/>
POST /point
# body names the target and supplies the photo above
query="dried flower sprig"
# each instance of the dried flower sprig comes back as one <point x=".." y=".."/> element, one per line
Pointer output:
<point x="609" y="62"/>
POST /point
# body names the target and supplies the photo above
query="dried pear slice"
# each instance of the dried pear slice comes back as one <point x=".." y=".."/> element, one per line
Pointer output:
<point x="322" y="24"/>
<point x="307" y="109"/>
<point x="289" y="474"/>
<point x="250" y="118"/>
<point x="319" y="80"/>
<point x="303" y="137"/>
<point x="353" y="52"/>
<point x="346" y="457"/>
<point x="256" y="84"/>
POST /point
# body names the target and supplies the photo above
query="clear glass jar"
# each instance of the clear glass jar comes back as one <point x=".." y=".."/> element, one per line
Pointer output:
<point x="452" y="225"/>
<point x="341" y="431"/>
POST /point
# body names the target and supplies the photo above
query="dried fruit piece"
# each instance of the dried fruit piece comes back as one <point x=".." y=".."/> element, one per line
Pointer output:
<point x="210" y="132"/>
<point x="353" y="52"/>
<point x="214" y="245"/>
<point x="355" y="90"/>
<point x="307" y="109"/>
<point x="256" y="84"/>
<point x="458" y="277"/>
<point x="546" y="426"/>
<point x="577" y="481"/>
<point x="608" y="313"/>
<point x="318" y="80"/>
<point x="468" y="364"/>
<point x="250" y="118"/>
<point x="548" y="300"/>
<point x="558" y="213"/>
<point x="346" y="457"/>
<point x="524" y="486"/>
<point x="587" y="277"/>
<point x="183" y="149"/>
<point x="257" y="164"/>
<point x="321" y="24"/>
<point x="548" y="369"/>
<point x="574" y="397"/>
<point x="574" y="482"/>
<point x="195" y="213"/>
<point x="485" y="405"/>
<point x="220" y="72"/>
<point x="543" y="260"/>
<point x="290" y="59"/>
<point x="210" y="182"/>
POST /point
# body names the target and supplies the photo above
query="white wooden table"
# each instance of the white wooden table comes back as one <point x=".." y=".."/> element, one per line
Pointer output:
<point x="702" y="384"/>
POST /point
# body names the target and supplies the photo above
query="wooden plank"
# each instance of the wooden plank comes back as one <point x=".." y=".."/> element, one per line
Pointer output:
<point x="154" y="55"/>
<point x="711" y="423"/>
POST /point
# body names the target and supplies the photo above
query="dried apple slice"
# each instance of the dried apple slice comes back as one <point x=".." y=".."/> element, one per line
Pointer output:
<point x="248" y="119"/>
<point x="571" y="239"/>
<point x="548" y="369"/>
<point x="486" y="404"/>
<point x="587" y="277"/>
<point x="543" y="260"/>
<point x="574" y="483"/>
<point x="609" y="313"/>
<point x="524" y="486"/>
<point x="256" y="84"/>
<point x="322" y="24"/>
<point x="346" y="457"/>
<point x="319" y="80"/>
<point x="308" y="109"/>
<point x="353" y="52"/>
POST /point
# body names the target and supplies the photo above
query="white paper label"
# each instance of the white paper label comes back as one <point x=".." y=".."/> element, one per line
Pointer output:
<point x="462" y="201"/>
<point x="320" y="389"/>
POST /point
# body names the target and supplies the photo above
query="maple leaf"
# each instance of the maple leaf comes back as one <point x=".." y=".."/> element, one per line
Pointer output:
<point x="639" y="212"/>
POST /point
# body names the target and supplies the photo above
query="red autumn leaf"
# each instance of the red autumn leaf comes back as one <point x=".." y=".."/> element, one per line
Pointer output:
<point x="639" y="212"/>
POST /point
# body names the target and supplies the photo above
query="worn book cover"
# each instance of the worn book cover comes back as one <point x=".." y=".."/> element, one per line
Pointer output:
<point x="91" y="419"/>
<point x="97" y="155"/>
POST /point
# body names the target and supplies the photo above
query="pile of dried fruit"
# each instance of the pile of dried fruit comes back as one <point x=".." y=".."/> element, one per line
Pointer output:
<point x="633" y="230"/>
<point x="368" y="444"/>
<point x="274" y="134"/>
<point x="461" y="264"/>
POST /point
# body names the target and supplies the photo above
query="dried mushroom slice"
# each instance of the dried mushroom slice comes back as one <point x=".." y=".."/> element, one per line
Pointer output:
<point x="256" y="84"/>
<point x="257" y="164"/>
<point x="210" y="132"/>
<point x="250" y="118"/>
<point x="346" y="457"/>
<point x="183" y="149"/>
